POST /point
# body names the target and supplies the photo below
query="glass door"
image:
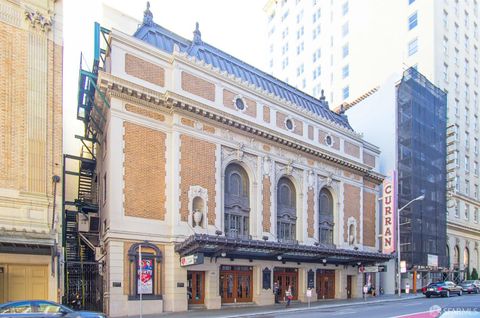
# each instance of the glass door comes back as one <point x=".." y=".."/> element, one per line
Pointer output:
<point x="196" y="287"/>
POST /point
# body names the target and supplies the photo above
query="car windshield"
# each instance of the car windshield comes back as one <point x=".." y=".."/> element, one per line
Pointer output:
<point x="16" y="308"/>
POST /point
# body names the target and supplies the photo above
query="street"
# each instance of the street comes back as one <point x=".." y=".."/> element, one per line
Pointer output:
<point x="409" y="308"/>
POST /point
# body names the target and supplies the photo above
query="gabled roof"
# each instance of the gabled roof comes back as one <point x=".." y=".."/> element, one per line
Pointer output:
<point x="165" y="40"/>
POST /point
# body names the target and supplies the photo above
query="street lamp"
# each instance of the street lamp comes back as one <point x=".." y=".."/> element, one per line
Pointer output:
<point x="399" y="281"/>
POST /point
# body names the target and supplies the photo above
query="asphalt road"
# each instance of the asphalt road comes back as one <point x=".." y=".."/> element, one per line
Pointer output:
<point x="418" y="308"/>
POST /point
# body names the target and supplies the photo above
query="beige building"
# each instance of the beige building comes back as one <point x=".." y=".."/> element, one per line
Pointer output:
<point x="30" y="148"/>
<point x="225" y="180"/>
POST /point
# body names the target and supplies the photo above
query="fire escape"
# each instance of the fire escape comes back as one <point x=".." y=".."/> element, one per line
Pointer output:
<point x="81" y="219"/>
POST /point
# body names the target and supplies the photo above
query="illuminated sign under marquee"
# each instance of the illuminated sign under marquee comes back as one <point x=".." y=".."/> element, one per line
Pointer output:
<point x="388" y="220"/>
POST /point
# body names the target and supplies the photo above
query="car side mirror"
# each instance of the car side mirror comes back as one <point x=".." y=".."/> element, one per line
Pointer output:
<point x="63" y="312"/>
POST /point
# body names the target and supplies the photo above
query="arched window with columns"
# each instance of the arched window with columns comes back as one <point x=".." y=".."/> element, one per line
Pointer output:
<point x="447" y="252"/>
<point x="466" y="258"/>
<point x="325" y="213"/>
<point x="456" y="257"/>
<point x="237" y="202"/>
<point x="286" y="210"/>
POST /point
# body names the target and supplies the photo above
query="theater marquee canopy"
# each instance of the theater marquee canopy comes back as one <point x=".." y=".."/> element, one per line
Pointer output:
<point x="221" y="246"/>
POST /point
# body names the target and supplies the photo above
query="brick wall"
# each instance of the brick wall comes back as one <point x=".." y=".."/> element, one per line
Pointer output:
<point x="198" y="86"/>
<point x="351" y="207"/>
<point x="310" y="132"/>
<point x="368" y="159"/>
<point x="145" y="112"/>
<point x="197" y="167"/>
<point x="351" y="149"/>
<point x="228" y="101"/>
<point x="321" y="139"/>
<point x="281" y="117"/>
<point x="266" y="114"/>
<point x="369" y="219"/>
<point x="266" y="204"/>
<point x="310" y="213"/>
<point x="144" y="172"/>
<point x="144" y="70"/>
<point x="45" y="137"/>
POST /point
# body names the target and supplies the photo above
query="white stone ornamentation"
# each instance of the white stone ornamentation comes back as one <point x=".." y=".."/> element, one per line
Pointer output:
<point x="197" y="206"/>
<point x="38" y="19"/>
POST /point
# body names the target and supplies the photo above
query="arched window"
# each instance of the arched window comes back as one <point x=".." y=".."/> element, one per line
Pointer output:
<point x="466" y="258"/>
<point x="144" y="277"/>
<point x="475" y="259"/>
<point x="447" y="252"/>
<point x="325" y="217"/>
<point x="237" y="202"/>
<point x="286" y="211"/>
<point x="456" y="257"/>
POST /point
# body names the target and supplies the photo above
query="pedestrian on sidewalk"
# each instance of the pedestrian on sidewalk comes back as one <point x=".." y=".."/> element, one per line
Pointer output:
<point x="276" y="292"/>
<point x="289" y="295"/>
<point x="365" y="292"/>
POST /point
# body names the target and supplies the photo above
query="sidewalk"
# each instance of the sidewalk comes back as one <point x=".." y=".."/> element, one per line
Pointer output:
<point x="253" y="310"/>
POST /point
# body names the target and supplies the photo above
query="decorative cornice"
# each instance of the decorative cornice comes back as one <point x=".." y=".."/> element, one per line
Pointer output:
<point x="169" y="100"/>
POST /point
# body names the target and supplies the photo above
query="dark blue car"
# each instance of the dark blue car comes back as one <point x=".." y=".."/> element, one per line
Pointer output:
<point x="43" y="308"/>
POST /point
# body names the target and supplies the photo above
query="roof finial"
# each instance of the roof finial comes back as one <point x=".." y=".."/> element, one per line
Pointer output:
<point x="148" y="16"/>
<point x="197" y="36"/>
<point x="322" y="96"/>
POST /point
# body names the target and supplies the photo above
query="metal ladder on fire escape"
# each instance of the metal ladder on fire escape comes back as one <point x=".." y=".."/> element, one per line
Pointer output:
<point x="83" y="281"/>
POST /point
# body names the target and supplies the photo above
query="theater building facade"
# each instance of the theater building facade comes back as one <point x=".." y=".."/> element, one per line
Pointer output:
<point x="227" y="180"/>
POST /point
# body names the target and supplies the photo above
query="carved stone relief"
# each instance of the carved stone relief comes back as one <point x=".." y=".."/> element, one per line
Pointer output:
<point x="37" y="19"/>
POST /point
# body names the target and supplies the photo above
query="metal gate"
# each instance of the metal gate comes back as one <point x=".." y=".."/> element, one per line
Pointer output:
<point x="84" y="286"/>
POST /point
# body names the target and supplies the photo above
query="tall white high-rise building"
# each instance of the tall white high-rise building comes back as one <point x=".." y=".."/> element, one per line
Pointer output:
<point x="347" y="48"/>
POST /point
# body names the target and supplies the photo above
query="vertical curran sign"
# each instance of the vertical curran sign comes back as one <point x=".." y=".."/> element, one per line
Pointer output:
<point x="388" y="212"/>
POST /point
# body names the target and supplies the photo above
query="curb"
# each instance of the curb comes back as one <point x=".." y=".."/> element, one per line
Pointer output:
<point x="316" y="307"/>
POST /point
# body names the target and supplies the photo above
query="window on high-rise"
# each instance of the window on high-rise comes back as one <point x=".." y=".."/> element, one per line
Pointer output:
<point x="475" y="191"/>
<point x="456" y="31"/>
<point x="467" y="163"/>
<point x="345" y="29"/>
<point x="345" y="8"/>
<point x="467" y="187"/>
<point x="445" y="19"/>
<point x="475" y="167"/>
<point x="466" y="19"/>
<point x="467" y="93"/>
<point x="475" y="76"/>
<point x="475" y="146"/>
<point x="445" y="46"/>
<point x="456" y="56"/>
<point x="456" y="82"/>
<point x="445" y="72"/>
<point x="467" y="42"/>
<point x="475" y="53"/>
<point x="467" y="141"/>
<point x="457" y="208"/>
<point x="412" y="21"/>
<point x="467" y="212"/>
<point x="475" y="215"/>
<point x="346" y="92"/>
<point x="475" y="122"/>
<point x="345" y="50"/>
<point x="316" y="16"/>
<point x="345" y="71"/>
<point x="316" y="55"/>
<point x="412" y="47"/>
<point x="475" y="30"/>
<point x="467" y="66"/>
